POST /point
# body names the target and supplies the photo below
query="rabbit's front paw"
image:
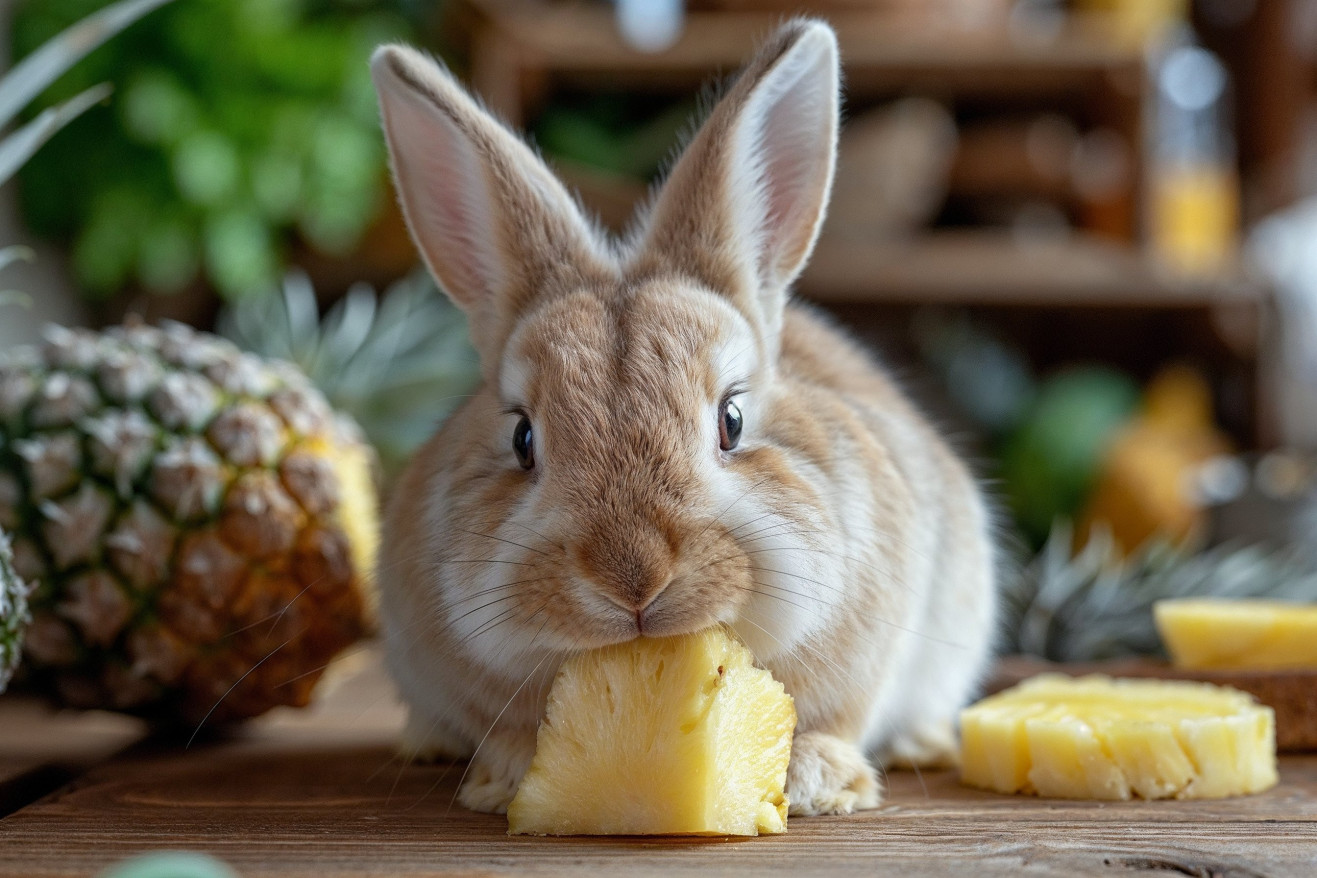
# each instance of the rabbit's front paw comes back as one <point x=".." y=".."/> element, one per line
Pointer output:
<point x="495" y="772"/>
<point x="829" y="776"/>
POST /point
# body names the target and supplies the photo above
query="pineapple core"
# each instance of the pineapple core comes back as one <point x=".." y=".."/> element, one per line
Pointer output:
<point x="1098" y="738"/>
<point x="1205" y="634"/>
<point x="676" y="736"/>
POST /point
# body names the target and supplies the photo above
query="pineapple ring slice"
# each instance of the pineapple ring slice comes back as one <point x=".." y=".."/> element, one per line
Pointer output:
<point x="1098" y="738"/>
<point x="672" y="736"/>
<point x="1216" y="634"/>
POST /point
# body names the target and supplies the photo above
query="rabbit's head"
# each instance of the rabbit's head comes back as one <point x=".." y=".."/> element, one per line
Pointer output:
<point x="623" y="469"/>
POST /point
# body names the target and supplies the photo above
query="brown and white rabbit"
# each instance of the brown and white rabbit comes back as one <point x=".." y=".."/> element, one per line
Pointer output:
<point x="662" y="442"/>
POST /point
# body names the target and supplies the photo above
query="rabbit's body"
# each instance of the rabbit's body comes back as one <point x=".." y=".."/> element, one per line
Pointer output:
<point x="661" y="443"/>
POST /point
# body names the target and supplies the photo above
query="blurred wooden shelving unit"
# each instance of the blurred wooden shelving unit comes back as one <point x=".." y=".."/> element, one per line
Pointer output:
<point x="997" y="268"/>
<point x="519" y="48"/>
<point x="520" y="51"/>
<point x="523" y="52"/>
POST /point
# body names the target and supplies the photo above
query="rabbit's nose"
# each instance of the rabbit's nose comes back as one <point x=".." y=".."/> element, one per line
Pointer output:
<point x="629" y="566"/>
<point x="641" y="609"/>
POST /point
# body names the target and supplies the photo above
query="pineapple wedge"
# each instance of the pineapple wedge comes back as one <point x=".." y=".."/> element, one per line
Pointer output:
<point x="1207" y="634"/>
<point x="676" y="736"/>
<point x="1099" y="738"/>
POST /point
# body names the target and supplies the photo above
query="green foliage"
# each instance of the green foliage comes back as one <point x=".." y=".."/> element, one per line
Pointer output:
<point x="613" y="132"/>
<point x="46" y="64"/>
<point x="237" y="124"/>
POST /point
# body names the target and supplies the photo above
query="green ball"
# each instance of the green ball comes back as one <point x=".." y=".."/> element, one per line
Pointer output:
<point x="171" y="864"/>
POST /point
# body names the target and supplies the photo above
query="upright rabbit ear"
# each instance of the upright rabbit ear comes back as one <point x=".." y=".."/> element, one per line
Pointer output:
<point x="742" y="208"/>
<point x="492" y="222"/>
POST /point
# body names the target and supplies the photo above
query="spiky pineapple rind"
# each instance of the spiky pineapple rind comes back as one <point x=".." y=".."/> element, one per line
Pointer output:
<point x="14" y="616"/>
<point x="180" y="508"/>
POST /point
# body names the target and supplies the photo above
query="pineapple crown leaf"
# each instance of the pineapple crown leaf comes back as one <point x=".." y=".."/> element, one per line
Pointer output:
<point x="14" y="612"/>
<point x="396" y="362"/>
<point x="37" y="71"/>
<point x="1092" y="605"/>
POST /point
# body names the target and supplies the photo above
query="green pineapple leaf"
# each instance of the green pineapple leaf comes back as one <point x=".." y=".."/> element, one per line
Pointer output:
<point x="398" y="363"/>
<point x="1094" y="605"/>
<point x="14" y="615"/>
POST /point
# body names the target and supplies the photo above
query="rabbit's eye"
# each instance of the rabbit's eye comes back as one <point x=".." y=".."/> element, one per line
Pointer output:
<point x="729" y="426"/>
<point x="523" y="443"/>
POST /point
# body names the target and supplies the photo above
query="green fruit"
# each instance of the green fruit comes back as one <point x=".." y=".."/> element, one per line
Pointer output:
<point x="1049" y="464"/>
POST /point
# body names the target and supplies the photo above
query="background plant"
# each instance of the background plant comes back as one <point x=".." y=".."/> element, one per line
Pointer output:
<point x="239" y="125"/>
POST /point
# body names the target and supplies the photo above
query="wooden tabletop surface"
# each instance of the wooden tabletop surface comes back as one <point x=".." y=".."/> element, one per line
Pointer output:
<point x="318" y="793"/>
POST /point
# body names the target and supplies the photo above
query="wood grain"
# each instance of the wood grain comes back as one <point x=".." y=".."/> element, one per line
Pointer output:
<point x="318" y="794"/>
<point x="40" y="747"/>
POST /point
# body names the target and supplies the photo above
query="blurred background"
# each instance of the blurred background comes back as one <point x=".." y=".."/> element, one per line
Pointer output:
<point x="1080" y="231"/>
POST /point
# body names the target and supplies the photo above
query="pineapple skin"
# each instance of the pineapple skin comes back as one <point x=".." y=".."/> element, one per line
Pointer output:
<point x="1098" y="738"/>
<point x="1218" y="634"/>
<point x="671" y="736"/>
<point x="196" y="522"/>
<point x="14" y="615"/>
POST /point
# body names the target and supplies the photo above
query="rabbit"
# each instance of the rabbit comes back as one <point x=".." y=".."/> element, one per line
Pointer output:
<point x="663" y="441"/>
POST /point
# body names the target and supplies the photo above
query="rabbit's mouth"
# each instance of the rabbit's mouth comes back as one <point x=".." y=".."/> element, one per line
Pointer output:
<point x="609" y="617"/>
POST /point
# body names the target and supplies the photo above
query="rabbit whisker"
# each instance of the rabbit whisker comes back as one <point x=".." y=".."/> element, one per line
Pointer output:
<point x="717" y="518"/>
<point x="490" y="590"/>
<point x="515" y="693"/>
<point x="547" y="541"/>
<point x="927" y="637"/>
<point x="269" y="655"/>
<point x="502" y="540"/>
<point x="490" y="561"/>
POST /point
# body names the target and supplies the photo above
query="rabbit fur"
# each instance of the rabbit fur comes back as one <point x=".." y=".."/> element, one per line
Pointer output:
<point x="841" y="539"/>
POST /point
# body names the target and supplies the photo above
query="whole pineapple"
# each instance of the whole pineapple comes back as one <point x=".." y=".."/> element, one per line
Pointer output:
<point x="196" y="522"/>
<point x="13" y="613"/>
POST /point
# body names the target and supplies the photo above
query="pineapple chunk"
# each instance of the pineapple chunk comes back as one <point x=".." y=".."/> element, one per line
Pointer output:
<point x="1206" y="634"/>
<point x="677" y="736"/>
<point x="1098" y="738"/>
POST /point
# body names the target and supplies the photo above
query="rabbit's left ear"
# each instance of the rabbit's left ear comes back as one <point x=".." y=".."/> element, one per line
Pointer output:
<point x="743" y="206"/>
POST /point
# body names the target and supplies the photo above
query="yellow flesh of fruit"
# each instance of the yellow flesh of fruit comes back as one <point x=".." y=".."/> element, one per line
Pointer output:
<point x="1204" y="634"/>
<point x="678" y="736"/>
<point x="1098" y="738"/>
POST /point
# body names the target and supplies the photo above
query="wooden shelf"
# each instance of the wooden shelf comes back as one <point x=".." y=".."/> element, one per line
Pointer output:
<point x="993" y="268"/>
<point x="516" y="44"/>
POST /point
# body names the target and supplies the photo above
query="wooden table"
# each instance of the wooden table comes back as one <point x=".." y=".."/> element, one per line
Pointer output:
<point x="317" y="793"/>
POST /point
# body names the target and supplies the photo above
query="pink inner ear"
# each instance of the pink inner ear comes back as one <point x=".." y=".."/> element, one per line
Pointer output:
<point x="791" y="175"/>
<point x="442" y="186"/>
<point x="795" y="144"/>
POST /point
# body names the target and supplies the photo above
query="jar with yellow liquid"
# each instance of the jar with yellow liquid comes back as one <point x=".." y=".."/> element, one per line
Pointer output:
<point x="1193" y="186"/>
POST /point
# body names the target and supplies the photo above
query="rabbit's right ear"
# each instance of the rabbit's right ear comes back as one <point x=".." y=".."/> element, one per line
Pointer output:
<point x="743" y="206"/>
<point x="490" y="219"/>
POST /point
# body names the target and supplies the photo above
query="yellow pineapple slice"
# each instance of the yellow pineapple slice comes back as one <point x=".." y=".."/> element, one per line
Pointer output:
<point x="676" y="736"/>
<point x="1098" y="738"/>
<point x="1211" y="634"/>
